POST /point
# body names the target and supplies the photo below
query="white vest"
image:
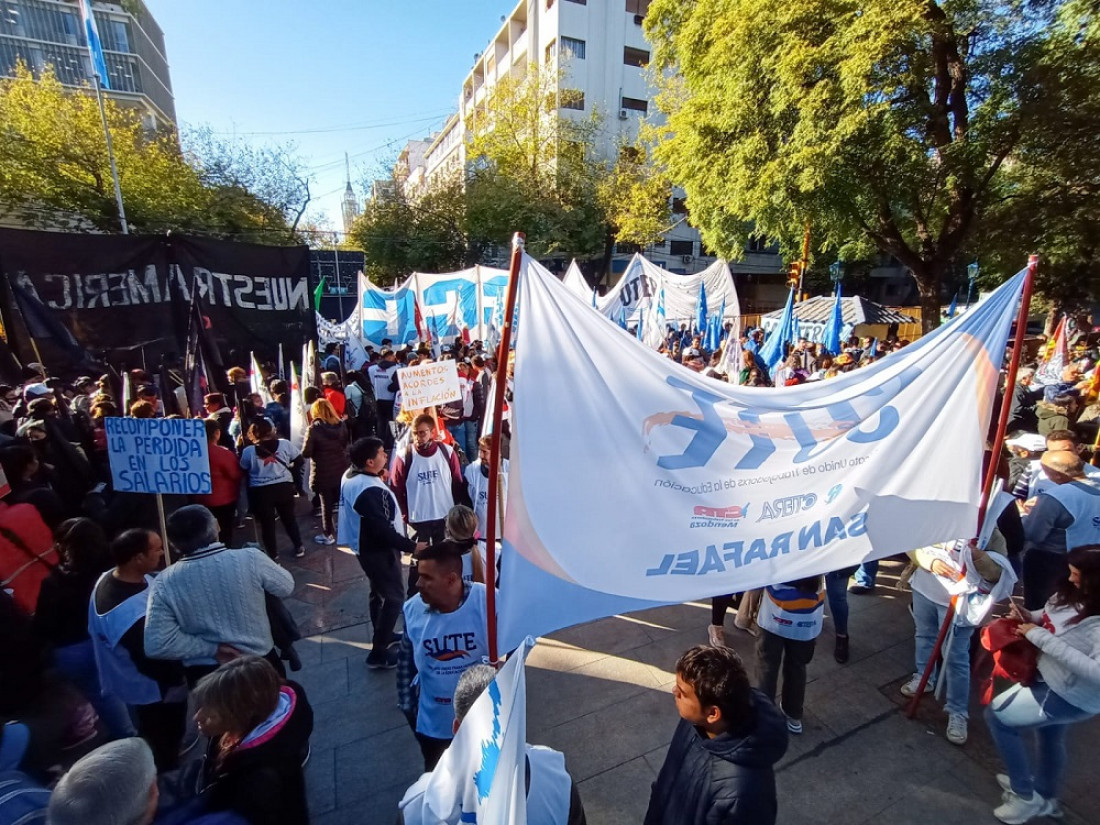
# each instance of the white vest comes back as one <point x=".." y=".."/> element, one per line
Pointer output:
<point x="444" y="645"/>
<point x="351" y="487"/>
<point x="428" y="485"/>
<point x="118" y="675"/>
<point x="380" y="379"/>
<point x="479" y="494"/>
<point x="1082" y="500"/>
<point x="791" y="613"/>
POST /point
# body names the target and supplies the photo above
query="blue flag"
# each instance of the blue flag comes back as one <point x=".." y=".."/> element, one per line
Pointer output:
<point x="701" y="310"/>
<point x="796" y="329"/>
<point x="873" y="351"/>
<point x="622" y="317"/>
<point x="95" y="46"/>
<point x="772" y="351"/>
<point x="954" y="305"/>
<point x="640" y="331"/>
<point x="831" y="339"/>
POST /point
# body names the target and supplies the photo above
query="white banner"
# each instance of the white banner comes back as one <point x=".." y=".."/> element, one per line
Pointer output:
<point x="678" y="486"/>
<point x="643" y="280"/>
<point x="427" y="385"/>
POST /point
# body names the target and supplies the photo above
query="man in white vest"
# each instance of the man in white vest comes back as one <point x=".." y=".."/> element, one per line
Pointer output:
<point x="428" y="482"/>
<point x="1066" y="515"/>
<point x="552" y="797"/>
<point x="153" y="689"/>
<point x="445" y="633"/>
<point x="371" y="525"/>
<point x="477" y="483"/>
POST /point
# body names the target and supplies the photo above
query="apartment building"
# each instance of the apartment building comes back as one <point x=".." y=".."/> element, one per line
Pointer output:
<point x="49" y="32"/>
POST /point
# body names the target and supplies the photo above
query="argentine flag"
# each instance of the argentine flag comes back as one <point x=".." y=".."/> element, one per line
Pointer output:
<point x="481" y="777"/>
<point x="95" y="46"/>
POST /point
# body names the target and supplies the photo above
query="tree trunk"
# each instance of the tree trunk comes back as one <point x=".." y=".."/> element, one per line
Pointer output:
<point x="608" y="251"/>
<point x="929" y="275"/>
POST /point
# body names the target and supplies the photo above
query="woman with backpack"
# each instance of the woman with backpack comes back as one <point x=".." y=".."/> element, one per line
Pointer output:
<point x="271" y="463"/>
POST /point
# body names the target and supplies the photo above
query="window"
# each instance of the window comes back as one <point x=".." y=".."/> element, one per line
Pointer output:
<point x="681" y="247"/>
<point x="551" y="50"/>
<point x="639" y="7"/>
<point x="679" y="206"/>
<point x="635" y="57"/>
<point x="634" y="104"/>
<point x="572" y="99"/>
<point x="622" y="248"/>
<point x="757" y="243"/>
<point x="572" y="48"/>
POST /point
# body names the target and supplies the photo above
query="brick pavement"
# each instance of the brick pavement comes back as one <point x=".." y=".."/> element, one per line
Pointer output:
<point x="601" y="693"/>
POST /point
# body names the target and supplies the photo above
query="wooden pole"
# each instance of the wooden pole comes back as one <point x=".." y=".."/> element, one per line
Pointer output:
<point x="991" y="470"/>
<point x="494" y="447"/>
<point x="163" y="529"/>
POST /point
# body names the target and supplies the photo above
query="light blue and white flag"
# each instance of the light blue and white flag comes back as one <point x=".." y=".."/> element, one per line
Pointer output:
<point x="831" y="341"/>
<point x="481" y="777"/>
<point x="95" y="46"/>
<point x="774" y="345"/>
<point x="701" y="309"/>
<point x="718" y="488"/>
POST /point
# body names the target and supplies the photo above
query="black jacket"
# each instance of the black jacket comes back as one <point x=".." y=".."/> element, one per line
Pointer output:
<point x="728" y="780"/>
<point x="327" y="445"/>
<point x="263" y="782"/>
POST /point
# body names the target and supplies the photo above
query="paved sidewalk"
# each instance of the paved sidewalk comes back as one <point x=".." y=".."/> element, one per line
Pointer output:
<point x="601" y="693"/>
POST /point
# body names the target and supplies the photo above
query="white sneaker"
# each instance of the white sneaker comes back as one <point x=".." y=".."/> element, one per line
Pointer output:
<point x="1016" y="810"/>
<point x="910" y="687"/>
<point x="716" y="635"/>
<point x="1051" y="809"/>
<point x="956" y="729"/>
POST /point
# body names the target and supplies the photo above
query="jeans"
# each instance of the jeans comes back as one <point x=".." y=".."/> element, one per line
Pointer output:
<point x="266" y="502"/>
<point x="77" y="662"/>
<point x="792" y="655"/>
<point x="836" y="589"/>
<point x="330" y="500"/>
<point x="460" y="432"/>
<point x="866" y="573"/>
<point x="928" y="617"/>
<point x="1038" y="708"/>
<point x="387" y="595"/>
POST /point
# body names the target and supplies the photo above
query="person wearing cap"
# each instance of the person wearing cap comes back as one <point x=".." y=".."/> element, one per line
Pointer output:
<point x="85" y="388"/>
<point x="693" y="359"/>
<point x="445" y="633"/>
<point x="1032" y="480"/>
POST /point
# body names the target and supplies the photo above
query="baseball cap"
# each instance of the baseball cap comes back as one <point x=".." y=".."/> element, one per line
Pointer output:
<point x="35" y="391"/>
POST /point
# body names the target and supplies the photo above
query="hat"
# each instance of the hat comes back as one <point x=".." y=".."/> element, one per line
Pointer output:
<point x="34" y="365"/>
<point x="842" y="359"/>
<point x="35" y="391"/>
<point x="446" y="348"/>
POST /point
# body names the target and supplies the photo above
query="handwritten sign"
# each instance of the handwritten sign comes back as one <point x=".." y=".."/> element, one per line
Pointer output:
<point x="158" y="455"/>
<point x="428" y="385"/>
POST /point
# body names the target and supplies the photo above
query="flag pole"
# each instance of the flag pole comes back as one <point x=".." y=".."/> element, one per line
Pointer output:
<point x="991" y="470"/>
<point x="111" y="155"/>
<point x="518" y="241"/>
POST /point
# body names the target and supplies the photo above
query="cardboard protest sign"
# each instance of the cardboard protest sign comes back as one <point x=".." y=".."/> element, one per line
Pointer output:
<point x="158" y="455"/>
<point x="428" y="385"/>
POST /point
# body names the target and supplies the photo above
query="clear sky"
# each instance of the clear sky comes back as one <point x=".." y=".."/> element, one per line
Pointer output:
<point x="361" y="76"/>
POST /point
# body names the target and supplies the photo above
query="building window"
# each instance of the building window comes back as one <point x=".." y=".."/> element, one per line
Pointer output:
<point x="572" y="48"/>
<point x="679" y="206"/>
<point x="681" y="247"/>
<point x="639" y="7"/>
<point x="757" y="243"/>
<point x="572" y="99"/>
<point x="551" y="50"/>
<point x="635" y="105"/>
<point x="635" y="57"/>
<point x="622" y="248"/>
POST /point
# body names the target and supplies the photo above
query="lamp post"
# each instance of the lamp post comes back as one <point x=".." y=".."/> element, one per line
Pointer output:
<point x="972" y="272"/>
<point x="836" y="273"/>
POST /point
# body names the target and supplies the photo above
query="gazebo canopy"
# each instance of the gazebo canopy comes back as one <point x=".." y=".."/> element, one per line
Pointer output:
<point x="855" y="311"/>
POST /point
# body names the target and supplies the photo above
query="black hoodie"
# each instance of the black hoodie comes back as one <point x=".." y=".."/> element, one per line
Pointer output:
<point x="727" y="780"/>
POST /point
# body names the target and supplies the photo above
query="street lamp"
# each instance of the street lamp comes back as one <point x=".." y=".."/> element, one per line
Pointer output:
<point x="836" y="273"/>
<point x="971" y="278"/>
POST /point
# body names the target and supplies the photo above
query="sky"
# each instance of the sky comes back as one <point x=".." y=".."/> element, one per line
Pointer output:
<point x="330" y="76"/>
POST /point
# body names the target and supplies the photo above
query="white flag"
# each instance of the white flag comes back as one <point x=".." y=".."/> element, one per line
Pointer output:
<point x="482" y="775"/>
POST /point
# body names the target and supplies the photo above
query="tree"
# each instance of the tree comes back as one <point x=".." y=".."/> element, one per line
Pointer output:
<point x="269" y="182"/>
<point x="426" y="233"/>
<point x="635" y="196"/>
<point x="882" y="124"/>
<point x="55" y="172"/>
<point x="532" y="168"/>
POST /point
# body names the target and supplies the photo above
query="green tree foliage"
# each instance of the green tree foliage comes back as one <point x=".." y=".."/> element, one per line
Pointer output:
<point x="635" y="196"/>
<point x="531" y="168"/>
<point x="400" y="235"/>
<point x="884" y="123"/>
<point x="55" y="173"/>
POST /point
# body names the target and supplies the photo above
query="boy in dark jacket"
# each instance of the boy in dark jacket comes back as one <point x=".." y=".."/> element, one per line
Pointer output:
<point x="719" y="767"/>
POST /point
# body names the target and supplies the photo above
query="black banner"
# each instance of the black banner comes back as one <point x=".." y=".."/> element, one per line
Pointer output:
<point x="127" y="298"/>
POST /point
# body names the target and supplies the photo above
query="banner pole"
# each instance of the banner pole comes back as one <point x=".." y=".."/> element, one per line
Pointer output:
<point x="163" y="530"/>
<point x="991" y="470"/>
<point x="501" y="382"/>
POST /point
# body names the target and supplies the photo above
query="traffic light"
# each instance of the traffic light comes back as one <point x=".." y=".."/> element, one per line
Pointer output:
<point x="794" y="274"/>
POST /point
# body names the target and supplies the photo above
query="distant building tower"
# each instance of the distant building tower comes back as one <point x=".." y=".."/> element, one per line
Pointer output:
<point x="350" y="206"/>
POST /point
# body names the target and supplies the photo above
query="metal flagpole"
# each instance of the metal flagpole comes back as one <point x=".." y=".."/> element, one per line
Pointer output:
<point x="991" y="470"/>
<point x="518" y="241"/>
<point x="110" y="152"/>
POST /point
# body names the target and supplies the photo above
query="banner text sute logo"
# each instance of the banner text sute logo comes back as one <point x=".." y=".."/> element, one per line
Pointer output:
<point x="710" y="429"/>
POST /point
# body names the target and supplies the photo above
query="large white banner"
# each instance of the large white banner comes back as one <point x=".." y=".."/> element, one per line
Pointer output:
<point x="661" y="485"/>
<point x="643" y="280"/>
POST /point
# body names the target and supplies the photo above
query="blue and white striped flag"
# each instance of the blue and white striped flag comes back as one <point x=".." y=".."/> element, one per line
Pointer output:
<point x="95" y="46"/>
